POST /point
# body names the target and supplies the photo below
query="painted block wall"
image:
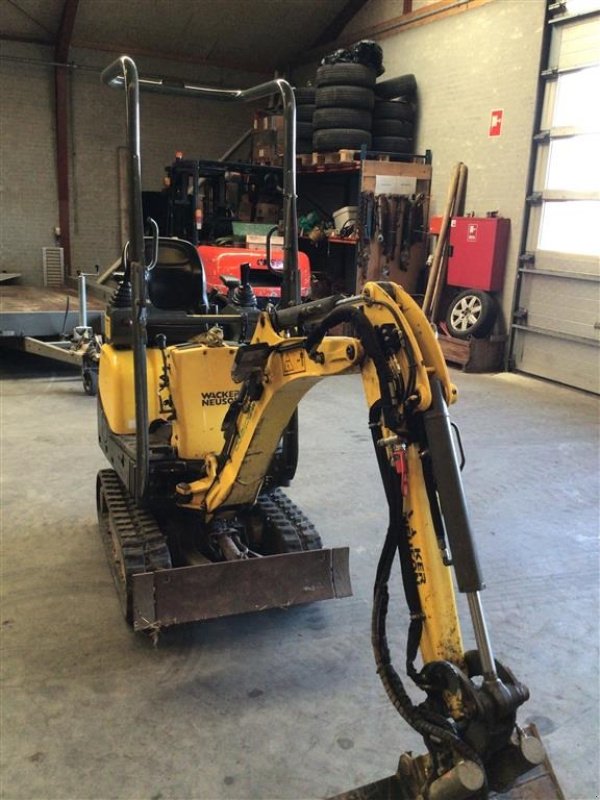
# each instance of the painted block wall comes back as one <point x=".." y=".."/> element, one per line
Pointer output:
<point x="28" y="199"/>
<point x="467" y="65"/>
<point x="28" y="193"/>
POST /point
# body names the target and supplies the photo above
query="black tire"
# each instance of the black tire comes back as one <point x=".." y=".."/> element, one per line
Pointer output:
<point x="393" y="127"/>
<point x="304" y="112"/>
<point x="345" y="97"/>
<point x="394" y="109"/>
<point x="403" y="86"/>
<point x="342" y="118"/>
<point x="304" y="146"/>
<point x="304" y="130"/>
<point x="330" y="139"/>
<point x="345" y="75"/>
<point x="304" y="94"/>
<point x="89" y="377"/>
<point x="393" y="144"/>
<point x="471" y="313"/>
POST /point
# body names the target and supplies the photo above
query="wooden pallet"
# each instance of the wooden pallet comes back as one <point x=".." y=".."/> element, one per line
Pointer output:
<point x="335" y="158"/>
<point x="474" y="355"/>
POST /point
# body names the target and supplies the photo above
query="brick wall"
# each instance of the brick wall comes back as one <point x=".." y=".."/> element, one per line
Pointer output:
<point x="28" y="193"/>
<point x="466" y="65"/>
<point x="28" y="204"/>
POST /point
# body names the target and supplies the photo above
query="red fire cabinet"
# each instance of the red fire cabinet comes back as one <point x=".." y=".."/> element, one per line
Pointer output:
<point x="477" y="253"/>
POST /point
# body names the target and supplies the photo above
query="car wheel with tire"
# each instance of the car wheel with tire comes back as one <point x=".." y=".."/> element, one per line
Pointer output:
<point x="403" y="86"/>
<point x="471" y="313"/>
<point x="345" y="75"/>
<point x="304" y="112"/>
<point x="304" y="95"/>
<point x="344" y="97"/>
<point x="393" y="127"/>
<point x="394" y="109"/>
<point x="342" y="118"/>
<point x="304" y="130"/>
<point x="329" y="139"/>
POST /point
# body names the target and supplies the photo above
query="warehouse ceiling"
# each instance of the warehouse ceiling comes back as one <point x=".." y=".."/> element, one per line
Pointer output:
<point x="252" y="35"/>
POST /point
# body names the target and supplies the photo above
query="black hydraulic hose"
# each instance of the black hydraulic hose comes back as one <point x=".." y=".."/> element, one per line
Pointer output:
<point x="390" y="679"/>
<point x="426" y="723"/>
<point x="368" y="339"/>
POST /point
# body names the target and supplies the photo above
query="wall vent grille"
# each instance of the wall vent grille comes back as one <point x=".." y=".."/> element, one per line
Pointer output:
<point x="54" y="266"/>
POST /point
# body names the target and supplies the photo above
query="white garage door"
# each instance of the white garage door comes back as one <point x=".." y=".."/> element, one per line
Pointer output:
<point x="556" y="325"/>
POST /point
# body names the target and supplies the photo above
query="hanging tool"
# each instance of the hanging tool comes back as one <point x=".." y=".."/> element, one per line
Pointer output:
<point x="382" y="219"/>
<point x="393" y="205"/>
<point x="366" y="209"/>
<point x="403" y="203"/>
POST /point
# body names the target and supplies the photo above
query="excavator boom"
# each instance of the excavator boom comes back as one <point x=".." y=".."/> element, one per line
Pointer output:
<point x="468" y="716"/>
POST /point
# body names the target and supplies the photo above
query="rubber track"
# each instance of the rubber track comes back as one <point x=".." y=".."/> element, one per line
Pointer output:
<point x="143" y="546"/>
<point x="279" y="527"/>
<point x="305" y="530"/>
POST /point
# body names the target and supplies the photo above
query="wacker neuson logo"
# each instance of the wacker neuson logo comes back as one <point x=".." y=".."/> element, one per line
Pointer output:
<point x="224" y="398"/>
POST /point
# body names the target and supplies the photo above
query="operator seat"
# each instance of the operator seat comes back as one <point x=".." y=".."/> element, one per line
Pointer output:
<point x="177" y="282"/>
<point x="176" y="290"/>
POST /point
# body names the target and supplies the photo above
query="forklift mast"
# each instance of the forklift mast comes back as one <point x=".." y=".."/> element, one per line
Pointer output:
<point x="202" y="198"/>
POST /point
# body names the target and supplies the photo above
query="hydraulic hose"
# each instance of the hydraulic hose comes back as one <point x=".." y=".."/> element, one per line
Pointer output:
<point x="429" y="725"/>
<point x="368" y="339"/>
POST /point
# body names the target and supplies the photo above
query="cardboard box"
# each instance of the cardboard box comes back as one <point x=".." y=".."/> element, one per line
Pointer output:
<point x="267" y="147"/>
<point x="265" y="121"/>
<point x="257" y="242"/>
<point x="268" y="212"/>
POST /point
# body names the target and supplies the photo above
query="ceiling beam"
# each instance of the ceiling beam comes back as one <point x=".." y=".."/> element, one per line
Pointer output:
<point x="9" y="37"/>
<point x="65" y="31"/>
<point x="152" y="53"/>
<point x="338" y="23"/>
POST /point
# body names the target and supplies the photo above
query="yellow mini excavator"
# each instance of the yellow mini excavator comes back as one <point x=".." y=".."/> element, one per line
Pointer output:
<point x="196" y="416"/>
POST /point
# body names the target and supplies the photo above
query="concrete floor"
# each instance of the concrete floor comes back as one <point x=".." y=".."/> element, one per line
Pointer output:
<point x="285" y="704"/>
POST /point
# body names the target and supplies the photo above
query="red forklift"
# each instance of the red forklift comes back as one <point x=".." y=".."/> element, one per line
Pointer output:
<point x="231" y="212"/>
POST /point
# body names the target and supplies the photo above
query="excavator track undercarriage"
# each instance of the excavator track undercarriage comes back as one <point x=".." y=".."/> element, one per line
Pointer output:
<point x="160" y="586"/>
<point x="132" y="539"/>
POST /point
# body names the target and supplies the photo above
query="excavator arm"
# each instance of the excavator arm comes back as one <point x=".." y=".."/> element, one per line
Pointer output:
<point x="468" y="715"/>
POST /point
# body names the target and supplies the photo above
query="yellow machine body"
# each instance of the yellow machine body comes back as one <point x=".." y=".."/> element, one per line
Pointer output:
<point x="116" y="390"/>
<point x="202" y="389"/>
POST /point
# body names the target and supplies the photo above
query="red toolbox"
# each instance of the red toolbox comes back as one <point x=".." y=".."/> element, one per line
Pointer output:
<point x="477" y="252"/>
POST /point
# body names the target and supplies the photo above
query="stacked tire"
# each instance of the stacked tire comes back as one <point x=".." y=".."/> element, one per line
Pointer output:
<point x="344" y="103"/>
<point x="305" y="108"/>
<point x="394" y="115"/>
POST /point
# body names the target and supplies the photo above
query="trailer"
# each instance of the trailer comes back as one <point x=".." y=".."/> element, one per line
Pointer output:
<point x="62" y="324"/>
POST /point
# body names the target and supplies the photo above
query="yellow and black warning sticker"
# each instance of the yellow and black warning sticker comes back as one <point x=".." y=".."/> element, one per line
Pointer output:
<point x="293" y="361"/>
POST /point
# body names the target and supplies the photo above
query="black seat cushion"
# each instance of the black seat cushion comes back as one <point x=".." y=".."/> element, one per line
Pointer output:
<point x="177" y="282"/>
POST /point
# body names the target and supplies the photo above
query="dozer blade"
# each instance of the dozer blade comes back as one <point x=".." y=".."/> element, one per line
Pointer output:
<point x="208" y="591"/>
<point x="537" y="783"/>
